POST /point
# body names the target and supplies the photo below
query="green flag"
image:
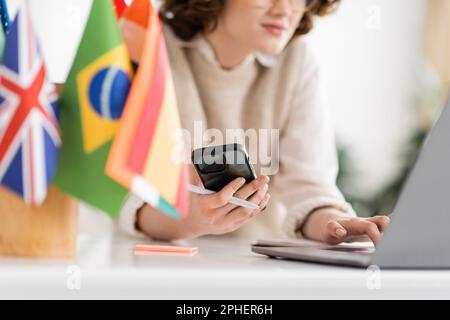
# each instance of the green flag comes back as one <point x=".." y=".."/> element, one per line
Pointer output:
<point x="91" y="104"/>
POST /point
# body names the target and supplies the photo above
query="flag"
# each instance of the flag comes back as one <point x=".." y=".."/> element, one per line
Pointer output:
<point x="2" y="44"/>
<point x="120" y="7"/>
<point x="29" y="129"/>
<point x="142" y="156"/>
<point x="4" y="16"/>
<point x="91" y="104"/>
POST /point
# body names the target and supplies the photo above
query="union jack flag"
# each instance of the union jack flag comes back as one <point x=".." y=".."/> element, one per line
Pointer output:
<point x="29" y="129"/>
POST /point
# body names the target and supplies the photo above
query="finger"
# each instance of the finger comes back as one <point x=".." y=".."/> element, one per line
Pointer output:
<point x="362" y="227"/>
<point x="258" y="197"/>
<point x="235" y="218"/>
<point x="221" y="198"/>
<point x="241" y="214"/>
<point x="335" y="232"/>
<point x="255" y="212"/>
<point x="252" y="187"/>
<point x="249" y="189"/>
<point x="264" y="202"/>
<point x="381" y="222"/>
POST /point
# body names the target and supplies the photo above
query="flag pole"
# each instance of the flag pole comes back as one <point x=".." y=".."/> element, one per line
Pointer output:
<point x="4" y="16"/>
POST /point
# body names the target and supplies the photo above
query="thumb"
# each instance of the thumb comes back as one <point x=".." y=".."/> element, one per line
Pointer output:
<point x="194" y="177"/>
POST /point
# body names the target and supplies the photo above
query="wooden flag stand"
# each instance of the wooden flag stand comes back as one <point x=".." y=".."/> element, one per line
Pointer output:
<point x="46" y="231"/>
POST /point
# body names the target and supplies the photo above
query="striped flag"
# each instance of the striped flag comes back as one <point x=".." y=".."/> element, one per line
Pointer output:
<point x="29" y="130"/>
<point x="120" y="7"/>
<point x="141" y="156"/>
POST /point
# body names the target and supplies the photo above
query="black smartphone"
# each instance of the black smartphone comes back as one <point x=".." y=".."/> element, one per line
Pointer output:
<point x="219" y="165"/>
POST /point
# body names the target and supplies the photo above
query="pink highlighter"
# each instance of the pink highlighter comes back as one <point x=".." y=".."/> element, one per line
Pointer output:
<point x="143" y="249"/>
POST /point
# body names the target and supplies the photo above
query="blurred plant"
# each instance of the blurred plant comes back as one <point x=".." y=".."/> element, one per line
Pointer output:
<point x="383" y="201"/>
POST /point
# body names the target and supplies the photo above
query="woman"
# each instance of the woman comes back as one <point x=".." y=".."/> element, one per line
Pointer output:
<point x="241" y="64"/>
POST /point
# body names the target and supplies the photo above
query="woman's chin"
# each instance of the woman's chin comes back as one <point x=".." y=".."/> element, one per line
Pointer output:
<point x="272" y="47"/>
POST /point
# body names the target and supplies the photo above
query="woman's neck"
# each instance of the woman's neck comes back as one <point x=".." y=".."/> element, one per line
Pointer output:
<point x="228" y="52"/>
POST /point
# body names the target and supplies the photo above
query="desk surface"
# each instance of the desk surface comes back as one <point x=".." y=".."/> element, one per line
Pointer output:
<point x="223" y="269"/>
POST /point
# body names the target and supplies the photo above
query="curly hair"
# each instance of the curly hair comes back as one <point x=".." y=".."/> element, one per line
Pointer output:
<point x="187" y="18"/>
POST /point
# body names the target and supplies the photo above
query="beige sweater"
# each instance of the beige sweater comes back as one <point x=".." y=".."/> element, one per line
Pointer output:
<point x="265" y="93"/>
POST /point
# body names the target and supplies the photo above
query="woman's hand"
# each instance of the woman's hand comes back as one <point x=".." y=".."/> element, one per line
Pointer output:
<point x="212" y="214"/>
<point x="209" y="214"/>
<point x="332" y="226"/>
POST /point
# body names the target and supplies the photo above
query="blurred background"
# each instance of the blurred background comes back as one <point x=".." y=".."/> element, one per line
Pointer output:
<point x="385" y="70"/>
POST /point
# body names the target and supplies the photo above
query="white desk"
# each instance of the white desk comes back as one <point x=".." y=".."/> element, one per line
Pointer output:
<point x="223" y="269"/>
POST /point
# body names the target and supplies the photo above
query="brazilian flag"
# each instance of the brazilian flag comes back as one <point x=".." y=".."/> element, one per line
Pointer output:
<point x="91" y="104"/>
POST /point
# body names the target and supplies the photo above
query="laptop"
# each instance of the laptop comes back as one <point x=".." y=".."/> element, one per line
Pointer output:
<point x="418" y="236"/>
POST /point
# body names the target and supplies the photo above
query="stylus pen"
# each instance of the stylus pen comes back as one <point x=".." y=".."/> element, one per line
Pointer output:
<point x="233" y="200"/>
